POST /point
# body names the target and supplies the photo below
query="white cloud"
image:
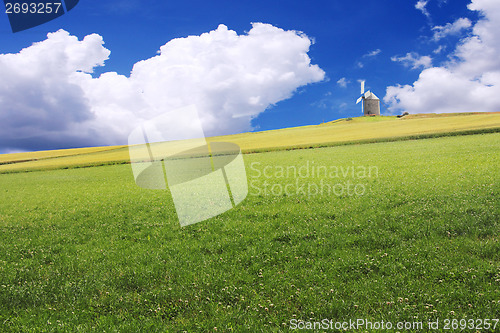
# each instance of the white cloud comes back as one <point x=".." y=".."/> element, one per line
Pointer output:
<point x="469" y="82"/>
<point x="440" y="49"/>
<point x="48" y="99"/>
<point x="414" y="60"/>
<point x="439" y="90"/>
<point x="373" y="53"/>
<point x="454" y="28"/>
<point x="342" y="82"/>
<point x="421" y="5"/>
<point x="38" y="97"/>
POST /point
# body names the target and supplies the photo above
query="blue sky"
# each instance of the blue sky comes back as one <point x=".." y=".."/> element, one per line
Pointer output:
<point x="385" y="42"/>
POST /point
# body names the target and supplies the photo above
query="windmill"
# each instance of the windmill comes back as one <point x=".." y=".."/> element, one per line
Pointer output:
<point x="370" y="105"/>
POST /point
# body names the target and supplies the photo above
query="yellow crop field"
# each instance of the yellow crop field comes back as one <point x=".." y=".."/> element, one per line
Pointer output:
<point x="47" y="154"/>
<point x="362" y="128"/>
<point x="350" y="130"/>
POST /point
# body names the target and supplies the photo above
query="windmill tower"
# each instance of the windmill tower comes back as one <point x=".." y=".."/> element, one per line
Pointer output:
<point x="371" y="103"/>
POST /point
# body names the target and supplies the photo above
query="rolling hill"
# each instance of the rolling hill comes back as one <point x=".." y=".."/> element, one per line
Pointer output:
<point x="338" y="132"/>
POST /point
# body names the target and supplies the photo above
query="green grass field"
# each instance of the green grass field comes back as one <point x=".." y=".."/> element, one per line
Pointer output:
<point x="415" y="239"/>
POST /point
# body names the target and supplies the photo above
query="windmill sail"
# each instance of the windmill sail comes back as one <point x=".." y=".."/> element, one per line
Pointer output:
<point x="370" y="103"/>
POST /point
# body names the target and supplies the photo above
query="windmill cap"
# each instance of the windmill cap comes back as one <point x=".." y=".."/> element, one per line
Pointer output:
<point x="370" y="95"/>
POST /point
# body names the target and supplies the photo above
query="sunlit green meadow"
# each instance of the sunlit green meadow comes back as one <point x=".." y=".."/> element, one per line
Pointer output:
<point x="87" y="250"/>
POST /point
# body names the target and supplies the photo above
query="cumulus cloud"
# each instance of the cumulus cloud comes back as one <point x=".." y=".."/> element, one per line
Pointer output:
<point x="373" y="53"/>
<point x="421" y="5"/>
<point x="468" y="82"/>
<point x="454" y="28"/>
<point x="38" y="96"/>
<point x="342" y="82"/>
<point x="439" y="90"/>
<point x="48" y="98"/>
<point x="414" y="60"/>
<point x="370" y="54"/>
<point x="440" y="49"/>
